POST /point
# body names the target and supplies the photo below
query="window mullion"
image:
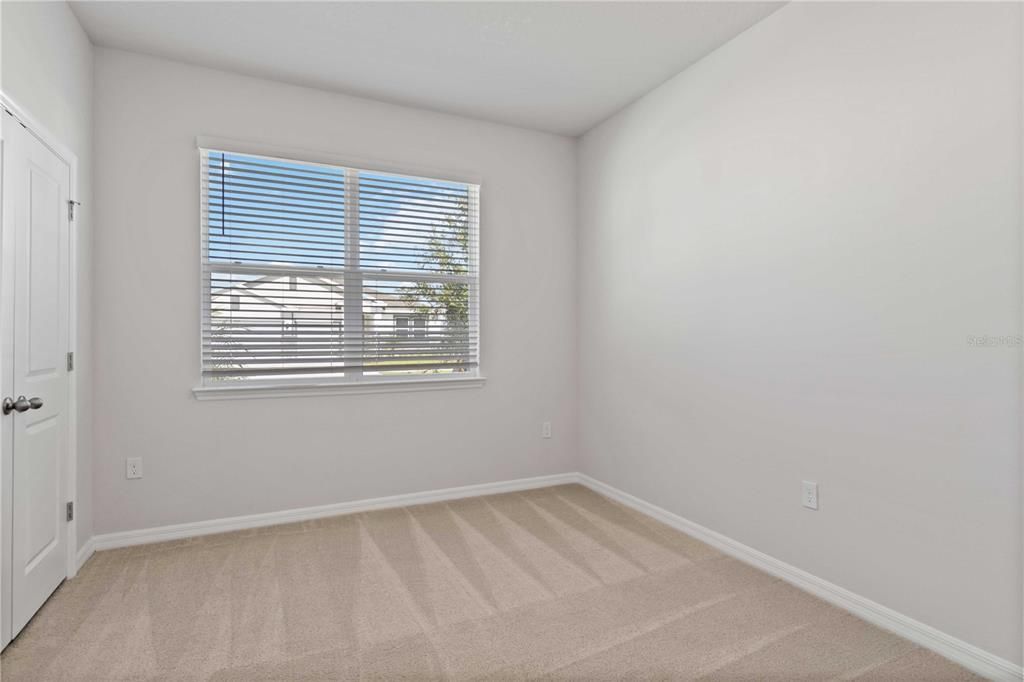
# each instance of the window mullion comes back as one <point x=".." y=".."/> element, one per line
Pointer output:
<point x="352" y="341"/>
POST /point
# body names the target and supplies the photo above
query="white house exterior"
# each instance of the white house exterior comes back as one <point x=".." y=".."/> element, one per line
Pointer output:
<point x="279" y="320"/>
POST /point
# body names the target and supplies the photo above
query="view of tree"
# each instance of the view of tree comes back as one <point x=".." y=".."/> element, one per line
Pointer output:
<point x="448" y="253"/>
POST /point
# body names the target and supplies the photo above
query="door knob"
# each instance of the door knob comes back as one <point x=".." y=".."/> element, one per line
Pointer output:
<point x="22" y="404"/>
<point x="35" y="403"/>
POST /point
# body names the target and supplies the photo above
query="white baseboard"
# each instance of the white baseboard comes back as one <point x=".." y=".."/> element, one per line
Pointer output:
<point x="84" y="552"/>
<point x="969" y="656"/>
<point x="187" y="530"/>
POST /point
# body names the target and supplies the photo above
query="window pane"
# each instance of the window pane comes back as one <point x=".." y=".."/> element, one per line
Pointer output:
<point x="413" y="225"/>
<point x="268" y="211"/>
<point x="417" y="327"/>
<point x="274" y="325"/>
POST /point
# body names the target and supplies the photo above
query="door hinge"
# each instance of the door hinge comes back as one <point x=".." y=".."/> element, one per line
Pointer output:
<point x="71" y="361"/>
<point x="71" y="511"/>
<point x="71" y="209"/>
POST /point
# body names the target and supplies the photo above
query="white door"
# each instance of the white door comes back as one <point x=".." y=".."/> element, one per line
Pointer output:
<point x="34" y="331"/>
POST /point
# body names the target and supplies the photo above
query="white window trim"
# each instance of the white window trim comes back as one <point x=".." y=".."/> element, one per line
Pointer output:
<point x="398" y="385"/>
<point x="251" y="390"/>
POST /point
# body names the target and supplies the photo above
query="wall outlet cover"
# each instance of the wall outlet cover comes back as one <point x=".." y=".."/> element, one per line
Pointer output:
<point x="809" y="495"/>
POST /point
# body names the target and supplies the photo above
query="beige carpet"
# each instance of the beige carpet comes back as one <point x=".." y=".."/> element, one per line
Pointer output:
<point x="559" y="583"/>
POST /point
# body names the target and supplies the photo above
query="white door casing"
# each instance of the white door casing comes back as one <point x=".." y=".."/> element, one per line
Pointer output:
<point x="35" y="338"/>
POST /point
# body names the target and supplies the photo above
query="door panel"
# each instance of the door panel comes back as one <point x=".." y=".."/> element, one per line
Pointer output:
<point x="40" y="491"/>
<point x="44" y="261"/>
<point x="36" y="184"/>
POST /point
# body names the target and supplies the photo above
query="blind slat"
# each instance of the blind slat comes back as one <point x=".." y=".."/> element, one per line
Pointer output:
<point x="223" y="172"/>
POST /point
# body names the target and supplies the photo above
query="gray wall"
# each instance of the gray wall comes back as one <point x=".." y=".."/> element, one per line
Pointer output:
<point x="205" y="460"/>
<point x="783" y="253"/>
<point x="46" y="68"/>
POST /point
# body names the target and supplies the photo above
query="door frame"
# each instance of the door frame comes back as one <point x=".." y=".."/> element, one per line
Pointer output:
<point x="54" y="144"/>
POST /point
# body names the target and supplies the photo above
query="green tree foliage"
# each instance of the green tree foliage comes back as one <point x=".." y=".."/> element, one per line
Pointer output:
<point x="448" y="302"/>
<point x="448" y="251"/>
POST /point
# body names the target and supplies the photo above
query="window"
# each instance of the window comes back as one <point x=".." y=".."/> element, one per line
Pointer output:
<point x="411" y="326"/>
<point x="323" y="274"/>
<point x="288" y="330"/>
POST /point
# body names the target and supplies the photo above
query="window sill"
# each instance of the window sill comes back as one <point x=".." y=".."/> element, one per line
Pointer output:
<point x="306" y="390"/>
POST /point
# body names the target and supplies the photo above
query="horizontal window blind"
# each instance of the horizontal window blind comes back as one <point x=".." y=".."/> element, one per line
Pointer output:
<point x="314" y="272"/>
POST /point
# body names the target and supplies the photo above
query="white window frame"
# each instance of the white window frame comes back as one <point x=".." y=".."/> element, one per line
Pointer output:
<point x="360" y="384"/>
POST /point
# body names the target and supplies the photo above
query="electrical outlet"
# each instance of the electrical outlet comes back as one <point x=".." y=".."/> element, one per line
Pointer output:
<point x="133" y="467"/>
<point x="545" y="430"/>
<point x="809" y="498"/>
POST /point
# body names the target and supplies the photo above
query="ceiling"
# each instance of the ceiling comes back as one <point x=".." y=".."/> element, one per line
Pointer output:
<point x="555" y="66"/>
